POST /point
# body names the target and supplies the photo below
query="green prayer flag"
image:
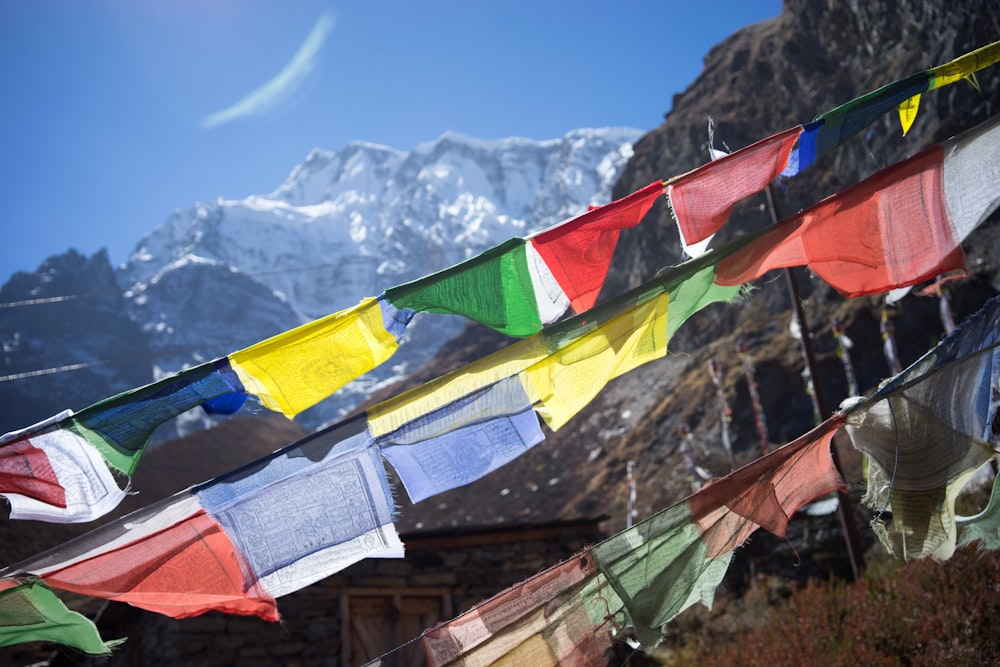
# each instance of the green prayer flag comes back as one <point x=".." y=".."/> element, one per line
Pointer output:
<point x="31" y="612"/>
<point x="659" y="568"/>
<point x="493" y="288"/>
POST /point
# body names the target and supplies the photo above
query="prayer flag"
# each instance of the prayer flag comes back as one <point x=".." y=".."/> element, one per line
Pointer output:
<point x="298" y="368"/>
<point x="463" y="441"/>
<point x="567" y="380"/>
<point x="702" y="199"/>
<point x="964" y="66"/>
<point x="926" y="432"/>
<point x="30" y="612"/>
<point x="902" y="226"/>
<point x="578" y="252"/>
<point x="120" y="426"/>
<point x="559" y="617"/>
<point x="845" y="121"/>
<point x="295" y="529"/>
<point x="171" y="558"/>
<point x="493" y="288"/>
<point x="58" y="476"/>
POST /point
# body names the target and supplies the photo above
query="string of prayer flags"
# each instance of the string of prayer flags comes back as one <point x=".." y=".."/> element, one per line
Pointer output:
<point x="235" y="543"/>
<point x="925" y="433"/>
<point x="562" y="616"/>
<point x="691" y="286"/>
<point x="668" y="562"/>
<point x="836" y="126"/>
<point x="463" y="441"/>
<point x="521" y="284"/>
<point x="30" y="612"/>
<point x="120" y="427"/>
<point x="298" y="368"/>
<point x="902" y="226"/>
<point x="643" y="576"/>
<point x="702" y="199"/>
<point x="964" y="67"/>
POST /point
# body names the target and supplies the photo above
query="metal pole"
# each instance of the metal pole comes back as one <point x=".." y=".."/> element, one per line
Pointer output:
<point x="845" y="508"/>
<point x="630" y="467"/>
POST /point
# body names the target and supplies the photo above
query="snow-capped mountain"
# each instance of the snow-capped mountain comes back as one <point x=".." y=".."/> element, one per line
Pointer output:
<point x="346" y="225"/>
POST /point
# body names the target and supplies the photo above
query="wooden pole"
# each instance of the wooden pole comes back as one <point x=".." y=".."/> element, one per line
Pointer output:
<point x="845" y="508"/>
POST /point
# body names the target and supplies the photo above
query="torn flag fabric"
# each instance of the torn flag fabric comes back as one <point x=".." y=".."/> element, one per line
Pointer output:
<point x="926" y="432"/>
<point x="562" y="616"/>
<point x="298" y="368"/>
<point x="30" y="612"/>
<point x="463" y="441"/>
<point x="902" y="226"/>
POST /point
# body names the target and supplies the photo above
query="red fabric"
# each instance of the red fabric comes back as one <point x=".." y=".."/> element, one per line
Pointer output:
<point x="767" y="492"/>
<point x="578" y="252"/>
<point x="891" y="230"/>
<point x="185" y="570"/>
<point x="703" y="198"/>
<point x="25" y="469"/>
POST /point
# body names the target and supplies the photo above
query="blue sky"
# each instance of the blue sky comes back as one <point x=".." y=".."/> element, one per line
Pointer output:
<point x="116" y="112"/>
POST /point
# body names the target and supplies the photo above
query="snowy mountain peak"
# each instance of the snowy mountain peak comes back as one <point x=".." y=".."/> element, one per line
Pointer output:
<point x="346" y="225"/>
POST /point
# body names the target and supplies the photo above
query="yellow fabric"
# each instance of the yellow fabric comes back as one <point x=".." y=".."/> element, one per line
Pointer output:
<point x="297" y="369"/>
<point x="570" y="378"/>
<point x="964" y="66"/>
<point x="399" y="410"/>
<point x="908" y="112"/>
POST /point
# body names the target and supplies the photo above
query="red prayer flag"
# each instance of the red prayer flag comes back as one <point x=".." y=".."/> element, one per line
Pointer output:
<point x="25" y="469"/>
<point x="702" y="198"/>
<point x="889" y="231"/>
<point x="183" y="570"/>
<point x="578" y="252"/>
<point x="767" y="492"/>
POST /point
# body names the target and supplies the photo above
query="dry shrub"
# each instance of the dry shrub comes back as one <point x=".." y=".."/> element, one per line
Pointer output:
<point x="921" y="613"/>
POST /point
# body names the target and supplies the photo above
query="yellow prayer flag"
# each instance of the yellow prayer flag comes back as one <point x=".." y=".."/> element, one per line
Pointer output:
<point x="908" y="112"/>
<point x="393" y="413"/>
<point x="297" y="369"/>
<point x="570" y="378"/>
<point x="964" y="66"/>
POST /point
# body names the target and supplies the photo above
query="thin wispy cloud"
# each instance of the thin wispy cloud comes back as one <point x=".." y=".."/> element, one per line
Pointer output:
<point x="278" y="90"/>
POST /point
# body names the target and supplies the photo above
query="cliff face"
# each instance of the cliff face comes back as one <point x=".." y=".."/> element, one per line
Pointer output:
<point x="786" y="71"/>
<point x="92" y="334"/>
<point x="763" y="79"/>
